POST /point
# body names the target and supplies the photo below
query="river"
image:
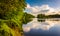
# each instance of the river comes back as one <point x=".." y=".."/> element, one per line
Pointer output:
<point x="50" y="27"/>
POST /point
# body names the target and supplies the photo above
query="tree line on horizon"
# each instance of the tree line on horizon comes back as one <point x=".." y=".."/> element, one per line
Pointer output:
<point x="43" y="16"/>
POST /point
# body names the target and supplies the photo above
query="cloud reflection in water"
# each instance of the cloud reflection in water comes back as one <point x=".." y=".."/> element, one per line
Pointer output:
<point x="39" y="25"/>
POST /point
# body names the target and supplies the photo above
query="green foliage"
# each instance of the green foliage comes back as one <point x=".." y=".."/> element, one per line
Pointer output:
<point x="53" y="16"/>
<point x="27" y="18"/>
<point x="9" y="27"/>
<point x="42" y="16"/>
<point x="11" y="13"/>
<point x="11" y="8"/>
<point x="4" y="29"/>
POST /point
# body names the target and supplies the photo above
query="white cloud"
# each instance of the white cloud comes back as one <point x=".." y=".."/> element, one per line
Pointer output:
<point x="27" y="28"/>
<point x="45" y="9"/>
<point x="37" y="10"/>
<point x="32" y="9"/>
<point x="28" y="6"/>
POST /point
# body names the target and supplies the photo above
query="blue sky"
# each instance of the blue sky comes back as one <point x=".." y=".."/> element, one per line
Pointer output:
<point x="43" y="6"/>
<point x="47" y="7"/>
<point x="52" y="3"/>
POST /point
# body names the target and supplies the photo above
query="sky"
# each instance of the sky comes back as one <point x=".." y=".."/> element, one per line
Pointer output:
<point x="47" y="7"/>
<point x="52" y="3"/>
<point x="43" y="6"/>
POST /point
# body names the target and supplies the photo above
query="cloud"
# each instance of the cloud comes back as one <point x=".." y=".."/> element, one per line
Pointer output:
<point x="32" y="9"/>
<point x="28" y="6"/>
<point x="44" y="9"/>
<point x="27" y="28"/>
<point x="56" y="11"/>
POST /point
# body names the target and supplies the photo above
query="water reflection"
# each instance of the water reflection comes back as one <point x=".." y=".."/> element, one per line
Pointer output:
<point x="50" y="27"/>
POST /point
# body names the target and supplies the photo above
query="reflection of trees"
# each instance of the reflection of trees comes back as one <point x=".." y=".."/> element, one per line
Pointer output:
<point x="27" y="18"/>
<point x="42" y="16"/>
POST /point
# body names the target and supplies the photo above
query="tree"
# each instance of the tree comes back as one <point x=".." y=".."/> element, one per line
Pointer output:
<point x="40" y="16"/>
<point x="11" y="8"/>
<point x="11" y="13"/>
<point x="27" y="18"/>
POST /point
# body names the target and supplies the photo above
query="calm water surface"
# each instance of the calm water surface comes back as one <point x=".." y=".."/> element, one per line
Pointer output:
<point x="48" y="28"/>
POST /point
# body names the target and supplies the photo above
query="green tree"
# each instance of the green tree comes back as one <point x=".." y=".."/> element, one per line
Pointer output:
<point x="41" y="16"/>
<point x="27" y="18"/>
<point x="11" y="13"/>
<point x="11" y="8"/>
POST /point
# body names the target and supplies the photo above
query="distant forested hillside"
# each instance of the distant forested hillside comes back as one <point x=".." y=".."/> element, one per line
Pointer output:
<point x="42" y="16"/>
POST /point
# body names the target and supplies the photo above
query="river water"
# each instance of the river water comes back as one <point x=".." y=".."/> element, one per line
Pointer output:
<point x="49" y="27"/>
